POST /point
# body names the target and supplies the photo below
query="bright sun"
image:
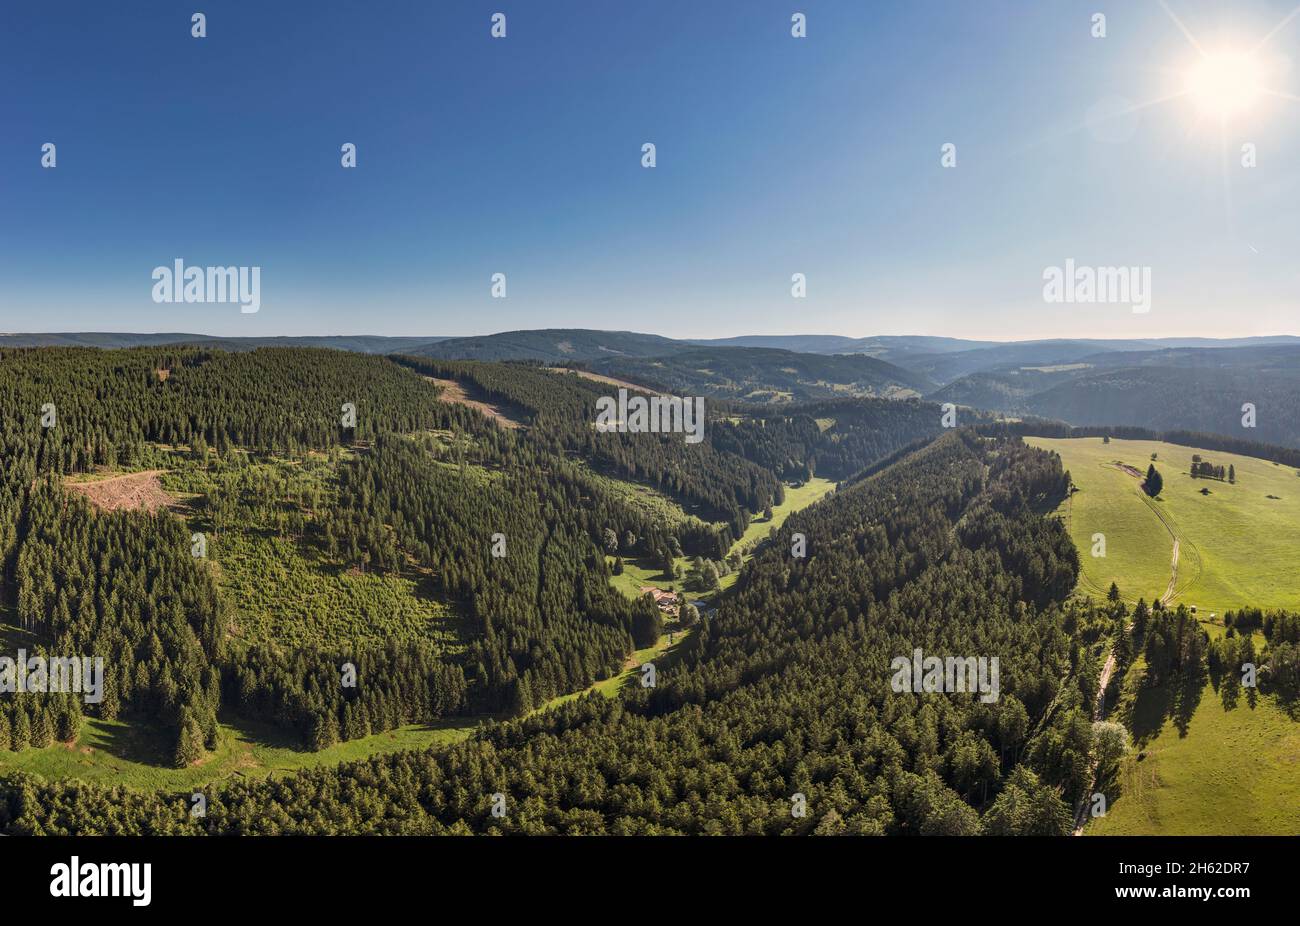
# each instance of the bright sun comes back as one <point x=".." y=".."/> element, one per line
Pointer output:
<point x="1226" y="83"/>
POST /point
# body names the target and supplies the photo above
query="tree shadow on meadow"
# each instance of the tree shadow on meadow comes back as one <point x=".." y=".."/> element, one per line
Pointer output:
<point x="134" y="739"/>
<point x="1156" y="705"/>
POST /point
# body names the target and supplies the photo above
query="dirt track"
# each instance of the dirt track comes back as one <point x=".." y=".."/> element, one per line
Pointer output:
<point x="1171" y="589"/>
<point x="1168" y="596"/>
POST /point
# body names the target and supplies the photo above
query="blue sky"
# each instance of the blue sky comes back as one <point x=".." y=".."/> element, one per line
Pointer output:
<point x="522" y="155"/>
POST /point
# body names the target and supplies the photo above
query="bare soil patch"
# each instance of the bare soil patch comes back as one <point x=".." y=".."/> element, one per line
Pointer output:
<point x="608" y="380"/>
<point x="452" y="391"/>
<point x="129" y="492"/>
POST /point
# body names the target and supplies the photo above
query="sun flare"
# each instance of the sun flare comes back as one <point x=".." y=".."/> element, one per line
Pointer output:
<point x="1226" y="83"/>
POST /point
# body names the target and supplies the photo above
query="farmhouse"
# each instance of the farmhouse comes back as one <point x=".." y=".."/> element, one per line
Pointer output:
<point x="667" y="601"/>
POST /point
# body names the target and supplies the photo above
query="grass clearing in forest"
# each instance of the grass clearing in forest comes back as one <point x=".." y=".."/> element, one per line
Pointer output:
<point x="661" y="654"/>
<point x="138" y="754"/>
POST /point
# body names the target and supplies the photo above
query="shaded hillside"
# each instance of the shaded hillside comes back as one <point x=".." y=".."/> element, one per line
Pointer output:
<point x="766" y="375"/>
<point x="944" y="368"/>
<point x="1172" y="398"/>
<point x="1190" y="389"/>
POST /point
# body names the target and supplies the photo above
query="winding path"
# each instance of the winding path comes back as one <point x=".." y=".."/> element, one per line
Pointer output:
<point x="1168" y="596"/>
<point x="1099" y="713"/>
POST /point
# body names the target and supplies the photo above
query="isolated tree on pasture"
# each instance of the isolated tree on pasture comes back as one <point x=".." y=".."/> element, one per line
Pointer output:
<point x="1154" y="481"/>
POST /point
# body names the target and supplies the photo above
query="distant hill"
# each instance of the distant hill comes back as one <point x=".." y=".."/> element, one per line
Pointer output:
<point x="949" y="366"/>
<point x="553" y="345"/>
<point x="837" y="344"/>
<point x="946" y="367"/>
<point x="766" y="375"/>
<point x="362" y="343"/>
<point x="1195" y="389"/>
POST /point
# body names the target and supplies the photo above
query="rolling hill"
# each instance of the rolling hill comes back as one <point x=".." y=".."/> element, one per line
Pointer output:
<point x="1194" y="389"/>
<point x="1236" y="544"/>
<point x="362" y="343"/>
<point x="1206" y="761"/>
<point x="767" y="375"/>
<point x="553" y="345"/>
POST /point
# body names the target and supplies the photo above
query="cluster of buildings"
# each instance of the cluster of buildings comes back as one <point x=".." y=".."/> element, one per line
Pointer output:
<point x="667" y="602"/>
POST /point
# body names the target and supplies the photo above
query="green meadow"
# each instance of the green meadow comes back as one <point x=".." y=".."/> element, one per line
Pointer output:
<point x="1238" y="545"/>
<point x="1198" y="765"/>
<point x="662" y="654"/>
<point x="1205" y="768"/>
<point x="638" y="573"/>
<point x="813" y="490"/>
<point x="124" y="752"/>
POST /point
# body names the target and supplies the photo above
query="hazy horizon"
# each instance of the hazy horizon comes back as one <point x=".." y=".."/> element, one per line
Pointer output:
<point x="676" y="337"/>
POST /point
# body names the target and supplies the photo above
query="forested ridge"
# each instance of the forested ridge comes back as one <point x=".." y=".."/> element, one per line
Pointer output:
<point x="782" y="698"/>
<point x="561" y="410"/>
<point x="786" y="690"/>
<point x="256" y="438"/>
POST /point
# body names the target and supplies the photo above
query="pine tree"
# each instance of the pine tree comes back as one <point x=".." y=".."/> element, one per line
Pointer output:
<point x="1154" y="481"/>
<point x="189" y="741"/>
<point x="523" y="696"/>
<point x="22" y="731"/>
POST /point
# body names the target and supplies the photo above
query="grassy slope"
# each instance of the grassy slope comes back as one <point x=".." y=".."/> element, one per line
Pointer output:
<point x="1219" y="771"/>
<point x="795" y="499"/>
<point x="1236" y="772"/>
<point x="1238" y="547"/>
<point x="661" y="654"/>
<point x="646" y="499"/>
<point x="132" y="754"/>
